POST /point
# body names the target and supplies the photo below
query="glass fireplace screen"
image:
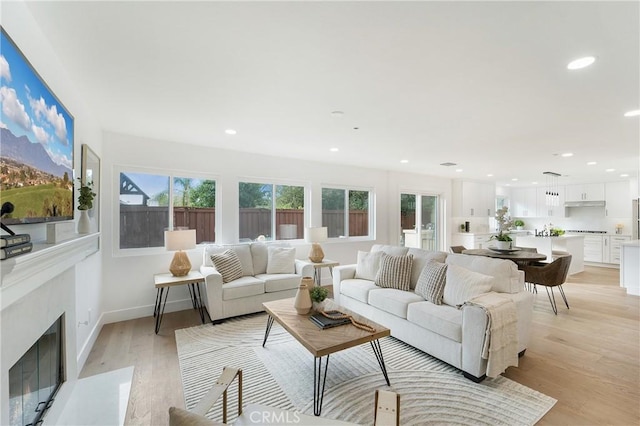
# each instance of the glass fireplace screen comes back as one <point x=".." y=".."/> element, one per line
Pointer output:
<point x="35" y="378"/>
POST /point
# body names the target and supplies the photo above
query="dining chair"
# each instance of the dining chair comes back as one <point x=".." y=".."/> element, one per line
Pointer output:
<point x="457" y="249"/>
<point x="549" y="275"/>
<point x="387" y="408"/>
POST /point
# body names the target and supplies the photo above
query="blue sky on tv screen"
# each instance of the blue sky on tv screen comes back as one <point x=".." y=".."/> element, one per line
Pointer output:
<point x="30" y="109"/>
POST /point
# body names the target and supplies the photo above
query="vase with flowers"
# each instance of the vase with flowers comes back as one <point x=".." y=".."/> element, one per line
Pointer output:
<point x="503" y="241"/>
<point x="85" y="203"/>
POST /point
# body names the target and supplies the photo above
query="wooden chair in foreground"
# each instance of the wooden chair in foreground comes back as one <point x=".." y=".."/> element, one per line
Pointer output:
<point x="252" y="414"/>
<point x="550" y="275"/>
<point x="387" y="412"/>
<point x="457" y="249"/>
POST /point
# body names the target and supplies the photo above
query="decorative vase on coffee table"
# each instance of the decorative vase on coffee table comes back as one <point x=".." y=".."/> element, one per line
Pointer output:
<point x="302" y="302"/>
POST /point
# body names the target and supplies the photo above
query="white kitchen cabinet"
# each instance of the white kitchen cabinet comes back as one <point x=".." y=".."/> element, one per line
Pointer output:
<point x="470" y="240"/>
<point x="593" y="247"/>
<point x="524" y="202"/>
<point x="618" y="199"/>
<point x="585" y="192"/>
<point x="543" y="210"/>
<point x="474" y="199"/>
<point x="611" y="248"/>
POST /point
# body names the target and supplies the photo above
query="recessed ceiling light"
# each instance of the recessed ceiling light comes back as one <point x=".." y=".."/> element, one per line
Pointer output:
<point x="458" y="170"/>
<point x="404" y="161"/>
<point x="624" y="175"/>
<point x="514" y="179"/>
<point x="534" y="183"/>
<point x="334" y="149"/>
<point x="610" y="170"/>
<point x="592" y="163"/>
<point x="508" y="184"/>
<point x="490" y="175"/>
<point x="634" y="113"/>
<point x="568" y="154"/>
<point x="581" y="63"/>
<point x="230" y="132"/>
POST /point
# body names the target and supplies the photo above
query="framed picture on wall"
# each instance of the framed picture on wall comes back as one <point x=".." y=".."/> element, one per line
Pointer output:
<point x="90" y="174"/>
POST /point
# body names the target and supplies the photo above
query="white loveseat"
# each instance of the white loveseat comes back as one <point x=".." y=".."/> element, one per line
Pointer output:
<point x="245" y="295"/>
<point x="454" y="335"/>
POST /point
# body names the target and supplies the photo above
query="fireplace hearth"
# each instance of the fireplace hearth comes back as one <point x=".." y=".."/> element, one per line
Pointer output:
<point x="36" y="377"/>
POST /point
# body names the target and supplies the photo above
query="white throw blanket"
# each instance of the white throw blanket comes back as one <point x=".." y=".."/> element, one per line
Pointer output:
<point x="501" y="337"/>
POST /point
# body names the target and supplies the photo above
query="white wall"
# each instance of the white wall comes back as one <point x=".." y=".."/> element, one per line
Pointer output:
<point x="23" y="29"/>
<point x="128" y="279"/>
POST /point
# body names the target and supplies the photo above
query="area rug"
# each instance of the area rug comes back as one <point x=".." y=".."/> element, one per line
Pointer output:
<point x="281" y="375"/>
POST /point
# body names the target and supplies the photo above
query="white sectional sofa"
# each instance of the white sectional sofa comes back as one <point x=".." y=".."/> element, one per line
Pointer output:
<point x="454" y="335"/>
<point x="246" y="294"/>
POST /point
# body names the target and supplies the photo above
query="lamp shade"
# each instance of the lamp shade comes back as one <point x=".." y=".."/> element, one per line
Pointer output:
<point x="180" y="240"/>
<point x="315" y="235"/>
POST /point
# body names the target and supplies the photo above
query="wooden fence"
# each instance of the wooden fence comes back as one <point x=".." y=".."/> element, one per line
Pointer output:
<point x="143" y="226"/>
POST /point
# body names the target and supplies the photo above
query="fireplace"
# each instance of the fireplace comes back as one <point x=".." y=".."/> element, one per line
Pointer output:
<point x="36" y="377"/>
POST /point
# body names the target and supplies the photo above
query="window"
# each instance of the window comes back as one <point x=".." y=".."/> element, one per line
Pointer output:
<point x="340" y="221"/>
<point x="152" y="203"/>
<point x="270" y="210"/>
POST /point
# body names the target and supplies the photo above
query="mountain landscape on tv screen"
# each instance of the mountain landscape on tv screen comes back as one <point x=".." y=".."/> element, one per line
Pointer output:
<point x="21" y="150"/>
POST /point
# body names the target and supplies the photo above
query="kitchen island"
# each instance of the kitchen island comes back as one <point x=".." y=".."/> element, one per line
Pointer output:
<point x="629" y="269"/>
<point x="572" y="244"/>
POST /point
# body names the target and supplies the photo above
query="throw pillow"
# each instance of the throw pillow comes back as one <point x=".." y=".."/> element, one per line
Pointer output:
<point x="395" y="272"/>
<point x="281" y="260"/>
<point x="431" y="282"/>
<point x="463" y="285"/>
<point x="228" y="264"/>
<point x="368" y="265"/>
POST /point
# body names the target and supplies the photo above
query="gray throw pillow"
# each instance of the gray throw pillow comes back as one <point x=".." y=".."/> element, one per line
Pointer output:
<point x="228" y="264"/>
<point x="431" y="282"/>
<point x="395" y="272"/>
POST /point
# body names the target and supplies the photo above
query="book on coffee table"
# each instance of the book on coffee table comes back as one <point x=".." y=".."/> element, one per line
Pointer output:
<point x="324" y="322"/>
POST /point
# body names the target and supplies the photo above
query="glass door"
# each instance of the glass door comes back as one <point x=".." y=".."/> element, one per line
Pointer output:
<point x="420" y="221"/>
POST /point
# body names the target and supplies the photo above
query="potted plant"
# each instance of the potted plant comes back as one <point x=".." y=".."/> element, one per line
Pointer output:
<point x="503" y="241"/>
<point x="85" y="203"/>
<point x="519" y="224"/>
<point x="318" y="294"/>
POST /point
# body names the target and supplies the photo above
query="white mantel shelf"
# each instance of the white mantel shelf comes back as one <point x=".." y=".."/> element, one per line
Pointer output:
<point x="22" y="274"/>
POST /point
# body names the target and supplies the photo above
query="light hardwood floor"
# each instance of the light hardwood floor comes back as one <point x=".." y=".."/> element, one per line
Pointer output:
<point x="587" y="357"/>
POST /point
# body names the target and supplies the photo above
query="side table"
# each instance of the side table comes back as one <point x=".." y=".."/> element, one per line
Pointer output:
<point x="317" y="269"/>
<point x="165" y="281"/>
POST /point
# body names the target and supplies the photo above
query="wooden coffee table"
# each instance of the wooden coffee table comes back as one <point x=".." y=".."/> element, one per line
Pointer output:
<point x="322" y="343"/>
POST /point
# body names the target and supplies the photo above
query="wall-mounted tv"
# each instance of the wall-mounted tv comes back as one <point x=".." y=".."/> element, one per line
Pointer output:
<point x="36" y="143"/>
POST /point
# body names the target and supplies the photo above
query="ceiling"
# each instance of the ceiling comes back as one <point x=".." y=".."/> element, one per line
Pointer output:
<point x="480" y="84"/>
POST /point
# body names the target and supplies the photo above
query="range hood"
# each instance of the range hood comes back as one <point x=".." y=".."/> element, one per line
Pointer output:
<point x="595" y="203"/>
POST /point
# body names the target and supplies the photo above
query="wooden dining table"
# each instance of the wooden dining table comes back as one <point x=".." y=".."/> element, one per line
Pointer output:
<point x="519" y="257"/>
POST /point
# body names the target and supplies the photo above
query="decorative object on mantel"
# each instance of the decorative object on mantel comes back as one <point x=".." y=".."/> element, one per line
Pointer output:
<point x="315" y="236"/>
<point x="503" y="241"/>
<point x="179" y="240"/>
<point x="302" y="302"/>
<point x="318" y="295"/>
<point x="90" y="175"/>
<point x="552" y="192"/>
<point x="85" y="203"/>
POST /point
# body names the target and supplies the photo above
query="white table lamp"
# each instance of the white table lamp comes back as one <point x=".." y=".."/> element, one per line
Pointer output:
<point x="315" y="236"/>
<point x="178" y="241"/>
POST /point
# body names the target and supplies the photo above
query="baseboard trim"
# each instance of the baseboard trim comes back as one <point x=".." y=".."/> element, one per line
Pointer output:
<point x="144" y="311"/>
<point x="83" y="355"/>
